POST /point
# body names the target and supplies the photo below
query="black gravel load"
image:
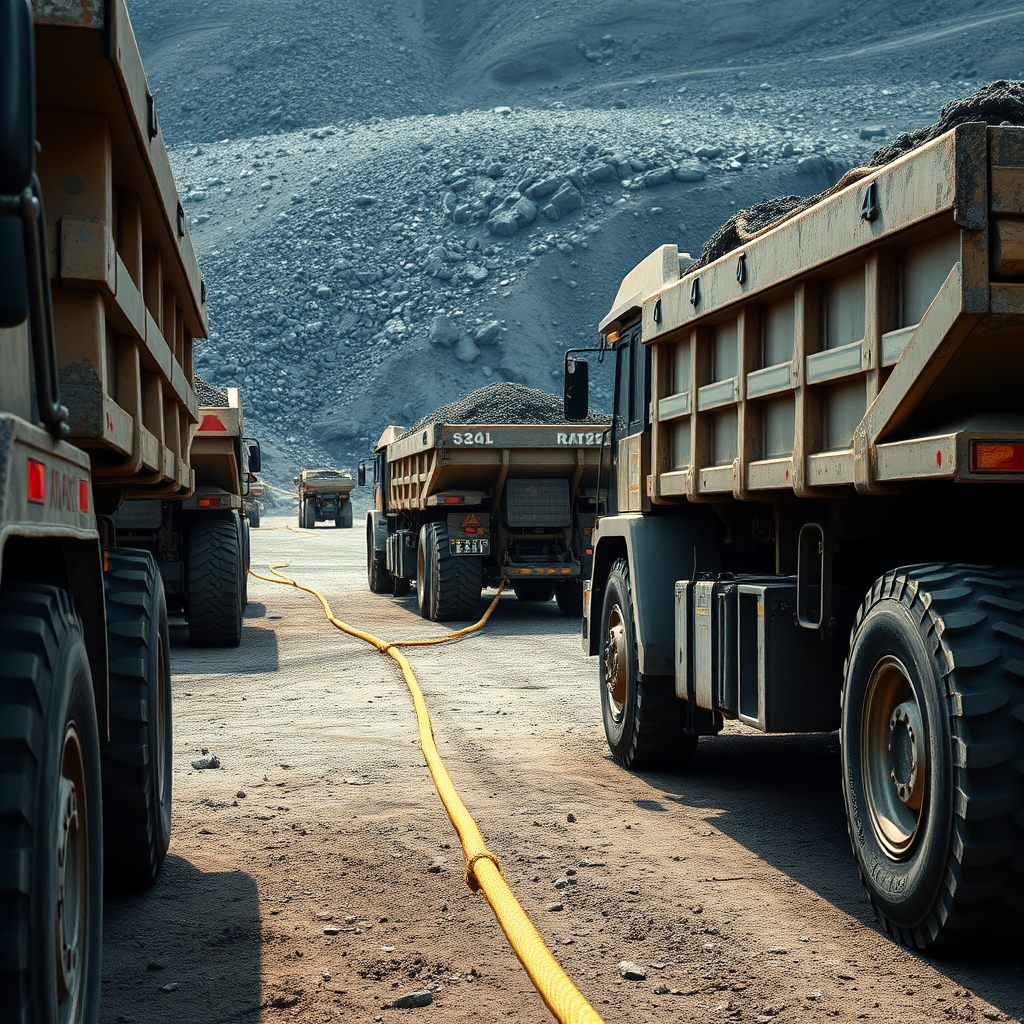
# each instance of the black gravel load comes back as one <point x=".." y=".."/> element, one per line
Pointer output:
<point x="997" y="103"/>
<point x="503" y="402"/>
<point x="209" y="394"/>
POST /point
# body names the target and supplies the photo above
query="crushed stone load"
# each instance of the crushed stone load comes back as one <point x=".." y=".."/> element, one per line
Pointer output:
<point x="999" y="102"/>
<point x="209" y="394"/>
<point x="503" y="402"/>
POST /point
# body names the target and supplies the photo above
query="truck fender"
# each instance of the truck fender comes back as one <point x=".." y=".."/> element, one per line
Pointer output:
<point x="377" y="530"/>
<point x="660" y="550"/>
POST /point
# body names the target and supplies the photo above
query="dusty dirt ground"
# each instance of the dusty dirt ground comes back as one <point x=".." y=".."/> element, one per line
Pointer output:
<point x="315" y="876"/>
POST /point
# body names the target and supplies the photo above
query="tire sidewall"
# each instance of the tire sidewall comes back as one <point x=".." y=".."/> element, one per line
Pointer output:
<point x="162" y="745"/>
<point x="71" y="698"/>
<point x="424" y="563"/>
<point x="904" y="890"/>
<point x="619" y="734"/>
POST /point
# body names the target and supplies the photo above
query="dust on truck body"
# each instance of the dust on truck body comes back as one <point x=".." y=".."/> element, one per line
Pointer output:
<point x="325" y="495"/>
<point x="100" y="299"/>
<point x="461" y="507"/>
<point x="201" y="540"/>
<point x="819" y="460"/>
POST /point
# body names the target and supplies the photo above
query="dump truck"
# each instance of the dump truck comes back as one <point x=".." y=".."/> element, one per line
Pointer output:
<point x="325" y="495"/>
<point x="100" y="301"/>
<point x="201" y="540"/>
<point x="818" y="449"/>
<point x="460" y="507"/>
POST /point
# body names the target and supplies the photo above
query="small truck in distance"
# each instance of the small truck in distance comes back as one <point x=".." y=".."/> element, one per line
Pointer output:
<point x="818" y="477"/>
<point x="459" y="507"/>
<point x="325" y="495"/>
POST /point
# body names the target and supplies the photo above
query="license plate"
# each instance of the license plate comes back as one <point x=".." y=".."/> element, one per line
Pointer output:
<point x="471" y="547"/>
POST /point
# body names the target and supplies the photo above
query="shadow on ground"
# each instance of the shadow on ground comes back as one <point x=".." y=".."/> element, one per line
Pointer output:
<point x="780" y="797"/>
<point x="257" y="653"/>
<point x="186" y="950"/>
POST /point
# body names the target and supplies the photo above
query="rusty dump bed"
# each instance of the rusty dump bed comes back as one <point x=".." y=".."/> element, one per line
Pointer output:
<point x="127" y="293"/>
<point x="445" y="458"/>
<point x="872" y="340"/>
<point x="325" y="481"/>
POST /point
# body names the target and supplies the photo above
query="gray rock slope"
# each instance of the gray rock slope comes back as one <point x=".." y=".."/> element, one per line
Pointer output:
<point x="396" y="202"/>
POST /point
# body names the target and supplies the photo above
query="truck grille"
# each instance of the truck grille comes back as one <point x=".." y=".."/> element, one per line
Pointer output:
<point x="140" y="514"/>
<point x="537" y="503"/>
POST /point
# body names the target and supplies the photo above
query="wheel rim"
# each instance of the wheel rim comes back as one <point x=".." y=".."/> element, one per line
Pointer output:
<point x="421" y="577"/>
<point x="72" y="912"/>
<point x="894" y="758"/>
<point x="162" y="755"/>
<point x="614" y="656"/>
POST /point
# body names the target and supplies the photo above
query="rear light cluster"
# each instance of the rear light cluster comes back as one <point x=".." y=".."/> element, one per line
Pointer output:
<point x="65" y="490"/>
<point x="222" y="499"/>
<point x="997" y="456"/>
<point x="36" y="482"/>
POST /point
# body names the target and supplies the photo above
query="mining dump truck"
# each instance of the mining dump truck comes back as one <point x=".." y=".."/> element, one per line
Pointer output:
<point x="459" y="507"/>
<point x="100" y="301"/>
<point x="201" y="541"/>
<point x="325" y="495"/>
<point x="818" y="473"/>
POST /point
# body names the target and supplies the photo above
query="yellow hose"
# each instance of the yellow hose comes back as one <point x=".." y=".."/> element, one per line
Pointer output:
<point x="483" y="872"/>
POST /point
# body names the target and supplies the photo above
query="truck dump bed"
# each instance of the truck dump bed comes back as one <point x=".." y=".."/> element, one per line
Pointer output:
<point x="128" y="297"/>
<point x="334" y="481"/>
<point x="217" y="447"/>
<point x="443" y="461"/>
<point x="870" y="341"/>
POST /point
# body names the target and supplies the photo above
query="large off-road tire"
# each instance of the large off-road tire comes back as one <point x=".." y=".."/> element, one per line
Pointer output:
<point x="424" y="562"/>
<point x="400" y="586"/>
<point x="569" y="596"/>
<point x="137" y="762"/>
<point x="534" y="590"/>
<point x="254" y="517"/>
<point x="51" y="830"/>
<point x="214" y="581"/>
<point x="377" y="575"/>
<point x="456" y="581"/>
<point x="308" y="521"/>
<point x="932" y="732"/>
<point x="644" y="722"/>
<point x="344" y="519"/>
<point x="246" y="559"/>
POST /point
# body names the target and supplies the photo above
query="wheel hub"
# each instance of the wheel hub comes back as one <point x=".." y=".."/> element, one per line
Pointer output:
<point x="614" y="656"/>
<point x="894" y="757"/>
<point x="906" y="731"/>
<point x="72" y="877"/>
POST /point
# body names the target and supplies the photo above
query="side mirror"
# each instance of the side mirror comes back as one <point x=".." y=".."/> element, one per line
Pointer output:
<point x="576" y="389"/>
<point x="17" y="151"/>
<point x="255" y="457"/>
<point x="361" y="473"/>
<point x="17" y="97"/>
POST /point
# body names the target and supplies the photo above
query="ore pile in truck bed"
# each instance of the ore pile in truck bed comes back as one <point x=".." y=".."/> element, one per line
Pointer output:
<point x="997" y="103"/>
<point x="504" y="402"/>
<point x="209" y="394"/>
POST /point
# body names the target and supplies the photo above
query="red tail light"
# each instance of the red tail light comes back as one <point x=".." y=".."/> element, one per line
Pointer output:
<point x="36" y="482"/>
<point x="83" y="495"/>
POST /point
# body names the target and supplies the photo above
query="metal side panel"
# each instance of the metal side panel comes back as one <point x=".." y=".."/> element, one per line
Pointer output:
<point x="661" y="550"/>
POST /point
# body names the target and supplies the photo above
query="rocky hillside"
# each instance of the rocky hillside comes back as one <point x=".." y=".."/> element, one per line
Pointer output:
<point x="397" y="201"/>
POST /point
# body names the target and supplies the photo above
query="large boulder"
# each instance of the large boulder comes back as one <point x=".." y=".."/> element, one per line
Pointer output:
<point x="503" y="223"/>
<point x="443" y="332"/>
<point x="465" y="350"/>
<point x="563" y="202"/>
